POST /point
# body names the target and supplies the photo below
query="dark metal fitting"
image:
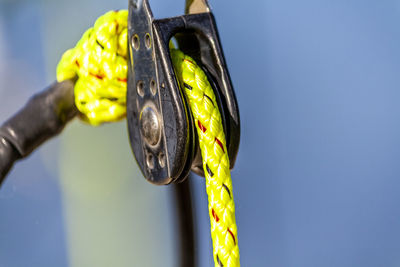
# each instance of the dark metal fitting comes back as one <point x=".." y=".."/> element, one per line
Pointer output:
<point x="161" y="130"/>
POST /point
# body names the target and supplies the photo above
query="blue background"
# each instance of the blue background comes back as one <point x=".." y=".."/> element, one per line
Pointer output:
<point x="317" y="180"/>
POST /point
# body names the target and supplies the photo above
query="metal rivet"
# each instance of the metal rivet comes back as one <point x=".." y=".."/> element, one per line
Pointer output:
<point x="153" y="87"/>
<point x="140" y="88"/>
<point x="150" y="161"/>
<point x="161" y="159"/>
<point x="147" y="40"/>
<point x="150" y="126"/>
<point x="136" y="42"/>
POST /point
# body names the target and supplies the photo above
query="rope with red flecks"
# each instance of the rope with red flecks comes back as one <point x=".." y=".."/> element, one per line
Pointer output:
<point x="203" y="105"/>
<point x="100" y="61"/>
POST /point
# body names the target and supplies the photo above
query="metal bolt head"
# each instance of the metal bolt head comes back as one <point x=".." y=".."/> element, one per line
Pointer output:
<point x="140" y="88"/>
<point x="150" y="161"/>
<point x="136" y="42"/>
<point x="161" y="159"/>
<point x="147" y="39"/>
<point x="153" y="87"/>
<point x="150" y="126"/>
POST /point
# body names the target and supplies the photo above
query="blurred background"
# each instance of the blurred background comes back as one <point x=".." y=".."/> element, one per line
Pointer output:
<point x="317" y="180"/>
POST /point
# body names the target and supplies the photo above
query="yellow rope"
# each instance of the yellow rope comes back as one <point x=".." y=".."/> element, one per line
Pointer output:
<point x="100" y="63"/>
<point x="221" y="208"/>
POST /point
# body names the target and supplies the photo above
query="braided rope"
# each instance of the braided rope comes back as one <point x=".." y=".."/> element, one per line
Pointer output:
<point x="99" y="60"/>
<point x="221" y="208"/>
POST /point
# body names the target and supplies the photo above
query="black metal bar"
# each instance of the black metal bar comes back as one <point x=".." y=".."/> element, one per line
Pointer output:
<point x="185" y="225"/>
<point x="8" y="155"/>
<point x="43" y="117"/>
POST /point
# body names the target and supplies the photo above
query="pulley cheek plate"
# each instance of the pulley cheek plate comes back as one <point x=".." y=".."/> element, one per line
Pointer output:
<point x="161" y="131"/>
<point x="152" y="87"/>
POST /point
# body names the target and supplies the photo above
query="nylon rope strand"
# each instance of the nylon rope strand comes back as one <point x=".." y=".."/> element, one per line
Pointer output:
<point x="221" y="208"/>
<point x="99" y="60"/>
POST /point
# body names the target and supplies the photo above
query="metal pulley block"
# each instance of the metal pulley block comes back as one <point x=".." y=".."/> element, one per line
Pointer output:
<point x="161" y="131"/>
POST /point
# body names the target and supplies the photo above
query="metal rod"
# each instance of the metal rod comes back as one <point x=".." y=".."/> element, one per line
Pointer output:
<point x="43" y="117"/>
<point x="185" y="226"/>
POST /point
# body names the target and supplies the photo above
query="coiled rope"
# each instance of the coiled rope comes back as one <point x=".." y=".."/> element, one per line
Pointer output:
<point x="99" y="61"/>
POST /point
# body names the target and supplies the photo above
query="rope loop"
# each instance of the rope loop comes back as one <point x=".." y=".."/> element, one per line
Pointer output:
<point x="99" y="60"/>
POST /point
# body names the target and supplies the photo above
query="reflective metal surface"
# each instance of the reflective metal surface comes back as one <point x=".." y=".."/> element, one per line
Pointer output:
<point x="150" y="126"/>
